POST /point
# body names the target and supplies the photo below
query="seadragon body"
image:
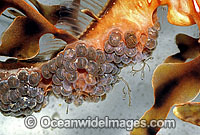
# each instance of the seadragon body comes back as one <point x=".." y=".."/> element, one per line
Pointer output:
<point x="124" y="32"/>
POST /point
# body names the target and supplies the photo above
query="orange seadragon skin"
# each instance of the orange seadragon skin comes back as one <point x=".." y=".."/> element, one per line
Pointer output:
<point x="124" y="32"/>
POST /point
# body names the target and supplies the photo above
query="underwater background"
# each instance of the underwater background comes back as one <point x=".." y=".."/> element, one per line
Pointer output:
<point x="115" y="105"/>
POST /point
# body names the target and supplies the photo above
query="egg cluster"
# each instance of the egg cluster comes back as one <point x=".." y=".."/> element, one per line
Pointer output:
<point x="79" y="73"/>
<point x="20" y="94"/>
<point x="122" y="49"/>
<point x="84" y="72"/>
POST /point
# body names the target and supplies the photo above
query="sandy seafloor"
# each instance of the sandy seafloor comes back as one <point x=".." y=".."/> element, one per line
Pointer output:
<point x="114" y="106"/>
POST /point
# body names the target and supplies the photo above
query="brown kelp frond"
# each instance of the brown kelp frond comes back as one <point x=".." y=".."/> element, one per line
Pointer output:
<point x="49" y="12"/>
<point x="188" y="112"/>
<point x="15" y="65"/>
<point x="173" y="84"/>
<point x="21" y="39"/>
<point x="69" y="13"/>
<point x="44" y="56"/>
<point x="18" y="42"/>
<point x="47" y="53"/>
<point x="49" y="48"/>
<point x="189" y="49"/>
